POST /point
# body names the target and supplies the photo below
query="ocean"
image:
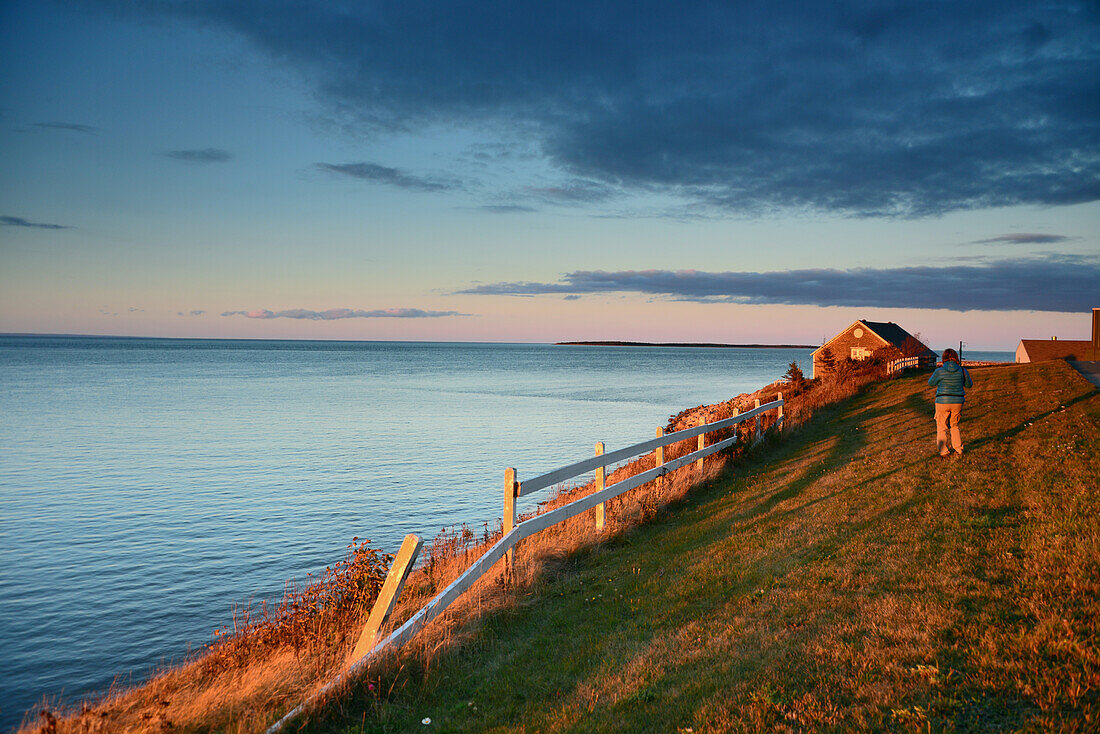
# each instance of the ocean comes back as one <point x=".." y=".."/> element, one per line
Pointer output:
<point x="147" y="485"/>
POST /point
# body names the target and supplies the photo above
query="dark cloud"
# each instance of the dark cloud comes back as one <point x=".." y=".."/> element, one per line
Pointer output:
<point x="385" y="175"/>
<point x="201" y="155"/>
<point x="1057" y="284"/>
<point x="861" y="108"/>
<point x="1024" y="238"/>
<point x="21" y="222"/>
<point x="70" y="126"/>
<point x="343" y="313"/>
<point x="198" y="312"/>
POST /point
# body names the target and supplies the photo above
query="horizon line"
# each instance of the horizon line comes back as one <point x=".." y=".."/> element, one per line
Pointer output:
<point x="9" y="334"/>
<point x="602" y="342"/>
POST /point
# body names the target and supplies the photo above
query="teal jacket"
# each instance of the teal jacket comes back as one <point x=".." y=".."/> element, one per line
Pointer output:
<point x="951" y="381"/>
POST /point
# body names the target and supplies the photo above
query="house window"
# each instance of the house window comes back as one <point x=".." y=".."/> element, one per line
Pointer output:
<point x="859" y="353"/>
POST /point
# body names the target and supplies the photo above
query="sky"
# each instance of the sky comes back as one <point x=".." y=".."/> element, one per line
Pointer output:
<point x="537" y="172"/>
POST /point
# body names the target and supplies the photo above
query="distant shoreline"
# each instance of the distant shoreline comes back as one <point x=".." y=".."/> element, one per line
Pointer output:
<point x="685" y="344"/>
<point x="33" y="335"/>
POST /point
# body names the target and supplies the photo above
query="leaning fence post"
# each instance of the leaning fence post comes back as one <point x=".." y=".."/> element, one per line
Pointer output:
<point x="387" y="597"/>
<point x="779" y="415"/>
<point x="601" y="471"/>
<point x="756" y="436"/>
<point x="701" y="444"/>
<point x="509" y="509"/>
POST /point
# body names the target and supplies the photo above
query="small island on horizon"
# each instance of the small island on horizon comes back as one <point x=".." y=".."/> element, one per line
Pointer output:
<point x="683" y="344"/>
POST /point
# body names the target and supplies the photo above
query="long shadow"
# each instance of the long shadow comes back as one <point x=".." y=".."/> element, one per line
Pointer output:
<point x="918" y="403"/>
<point x="842" y="422"/>
<point x="921" y="403"/>
<point x="874" y="479"/>
<point x="849" y="443"/>
<point x="1015" y="430"/>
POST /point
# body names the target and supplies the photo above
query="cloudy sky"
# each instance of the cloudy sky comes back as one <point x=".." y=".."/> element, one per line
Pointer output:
<point x="511" y="171"/>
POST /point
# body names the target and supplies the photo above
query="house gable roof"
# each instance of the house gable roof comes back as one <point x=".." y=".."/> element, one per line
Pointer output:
<point x="1042" y="350"/>
<point x="887" y="331"/>
<point x="842" y="332"/>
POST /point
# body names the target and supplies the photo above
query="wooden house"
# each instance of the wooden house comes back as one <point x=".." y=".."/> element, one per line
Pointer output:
<point x="881" y="339"/>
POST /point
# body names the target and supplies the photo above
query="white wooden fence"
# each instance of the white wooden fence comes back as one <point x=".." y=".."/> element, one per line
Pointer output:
<point x="369" y="646"/>
<point x="908" y="363"/>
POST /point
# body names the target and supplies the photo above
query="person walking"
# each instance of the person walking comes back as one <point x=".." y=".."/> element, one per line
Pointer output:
<point x="950" y="380"/>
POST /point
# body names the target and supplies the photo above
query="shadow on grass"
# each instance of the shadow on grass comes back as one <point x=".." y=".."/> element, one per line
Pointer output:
<point x="850" y="425"/>
<point x="921" y="403"/>
<point x="841" y="422"/>
<point x="1018" y="428"/>
<point x="849" y="442"/>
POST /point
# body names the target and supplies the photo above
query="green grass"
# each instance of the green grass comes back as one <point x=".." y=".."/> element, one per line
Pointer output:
<point x="843" y="578"/>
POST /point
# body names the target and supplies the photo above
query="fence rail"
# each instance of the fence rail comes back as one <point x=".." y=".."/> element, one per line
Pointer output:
<point x="558" y="476"/>
<point x="368" y="647"/>
<point x="906" y="363"/>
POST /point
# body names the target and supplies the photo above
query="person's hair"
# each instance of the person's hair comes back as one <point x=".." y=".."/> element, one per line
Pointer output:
<point x="950" y="355"/>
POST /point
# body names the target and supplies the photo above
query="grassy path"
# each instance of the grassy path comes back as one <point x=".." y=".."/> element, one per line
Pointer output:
<point x="846" y="578"/>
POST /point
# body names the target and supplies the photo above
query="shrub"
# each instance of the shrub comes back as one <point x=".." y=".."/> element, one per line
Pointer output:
<point x="794" y="374"/>
<point x="307" y="617"/>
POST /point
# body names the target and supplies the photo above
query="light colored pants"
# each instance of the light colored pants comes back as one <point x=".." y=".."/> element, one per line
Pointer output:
<point x="947" y="416"/>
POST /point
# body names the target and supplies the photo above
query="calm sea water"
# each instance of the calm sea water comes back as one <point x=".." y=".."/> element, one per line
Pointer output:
<point x="147" y="485"/>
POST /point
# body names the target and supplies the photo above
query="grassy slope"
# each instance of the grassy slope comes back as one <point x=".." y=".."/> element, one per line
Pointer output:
<point x="844" y="578"/>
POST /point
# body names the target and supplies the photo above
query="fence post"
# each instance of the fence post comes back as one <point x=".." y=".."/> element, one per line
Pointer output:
<point x="387" y="597"/>
<point x="660" y="457"/>
<point x="509" y="509"/>
<point x="756" y="436"/>
<point x="779" y="415"/>
<point x="702" y="443"/>
<point x="601" y="473"/>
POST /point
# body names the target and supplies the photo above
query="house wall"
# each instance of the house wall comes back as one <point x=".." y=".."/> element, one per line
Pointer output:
<point x="843" y="343"/>
<point x="1021" y="354"/>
